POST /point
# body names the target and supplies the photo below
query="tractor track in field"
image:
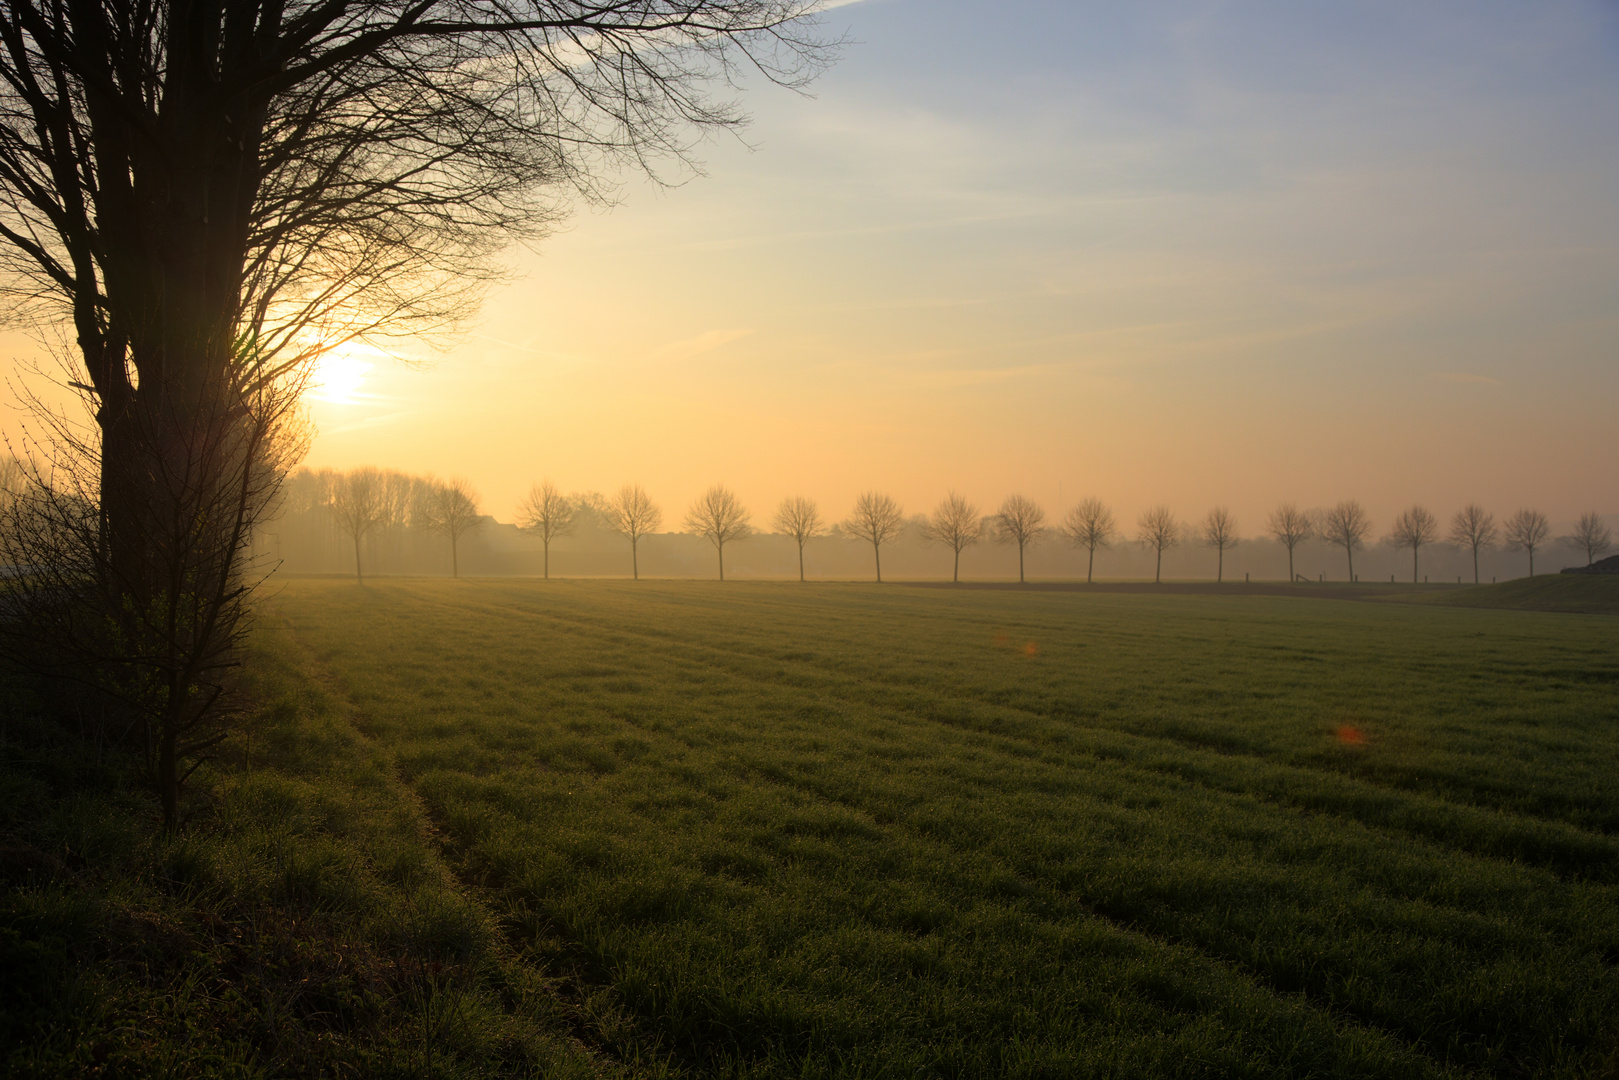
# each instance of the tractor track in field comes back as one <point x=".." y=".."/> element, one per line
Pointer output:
<point x="751" y="667"/>
<point x="1572" y="855"/>
<point x="586" y="973"/>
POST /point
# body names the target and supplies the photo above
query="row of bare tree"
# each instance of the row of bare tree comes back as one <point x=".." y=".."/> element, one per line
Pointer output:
<point x="1472" y="528"/>
<point x="367" y="500"/>
<point x="876" y="518"/>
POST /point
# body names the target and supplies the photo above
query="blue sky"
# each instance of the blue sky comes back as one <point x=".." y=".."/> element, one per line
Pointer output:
<point x="1191" y="253"/>
<point x="1196" y="253"/>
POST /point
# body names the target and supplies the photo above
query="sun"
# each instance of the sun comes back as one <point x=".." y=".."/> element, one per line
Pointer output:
<point x="338" y="376"/>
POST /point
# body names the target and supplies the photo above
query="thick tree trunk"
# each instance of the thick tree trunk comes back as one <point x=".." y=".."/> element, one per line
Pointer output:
<point x="1020" y="564"/>
<point x="635" y="559"/>
<point x="955" y="573"/>
<point x="721" y="549"/>
<point x="877" y="553"/>
<point x="455" y="558"/>
<point x="800" y="561"/>
<point x="1090" y="565"/>
<point x="1219" y="571"/>
<point x="358" y="576"/>
<point x="1413" y="564"/>
<point x="168" y="775"/>
<point x="1158" y="571"/>
<point x="547" y="546"/>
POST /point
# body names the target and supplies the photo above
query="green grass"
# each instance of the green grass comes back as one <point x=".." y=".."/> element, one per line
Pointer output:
<point x="1586" y="594"/>
<point x="773" y="830"/>
<point x="303" y="923"/>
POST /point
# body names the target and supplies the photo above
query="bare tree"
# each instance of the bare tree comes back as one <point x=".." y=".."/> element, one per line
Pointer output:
<point x="1291" y="527"/>
<point x="719" y="517"/>
<point x="1473" y="527"/>
<point x="13" y="480"/>
<point x="957" y="524"/>
<point x="359" y="505"/>
<point x="210" y="196"/>
<point x="1090" y="526"/>
<point x="1591" y="536"/>
<point x="1219" y="531"/>
<point x="1159" y="530"/>
<point x="175" y="177"/>
<point x="144" y="661"/>
<point x="631" y="514"/>
<point x="800" y="519"/>
<point x="1020" y="521"/>
<point x="546" y="514"/>
<point x="450" y="508"/>
<point x="592" y="509"/>
<point x="1527" y="531"/>
<point x="1346" y="525"/>
<point x="876" y="519"/>
<point x="400" y="493"/>
<point x="1414" y="528"/>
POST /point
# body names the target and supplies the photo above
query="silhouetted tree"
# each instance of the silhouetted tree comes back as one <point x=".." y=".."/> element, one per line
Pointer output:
<point x="1090" y="526"/>
<point x="176" y="177"/>
<point x="450" y="508"/>
<point x="1527" y="531"/>
<point x="400" y="493"/>
<point x="632" y="514"/>
<point x="546" y="514"/>
<point x="592" y="510"/>
<point x="1159" y="530"/>
<point x="1473" y="527"/>
<point x="719" y="517"/>
<point x="358" y="503"/>
<point x="13" y="481"/>
<point x="140" y="654"/>
<point x="800" y="519"/>
<point x="1220" y="532"/>
<point x="1020" y="521"/>
<point x="1346" y="525"/>
<point x="1291" y="527"/>
<point x="876" y="519"/>
<point x="1591" y="536"/>
<point x="957" y="524"/>
<point x="211" y="195"/>
<point x="1414" y="528"/>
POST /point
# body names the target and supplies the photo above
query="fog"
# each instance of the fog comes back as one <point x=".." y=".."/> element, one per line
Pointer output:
<point x="306" y="539"/>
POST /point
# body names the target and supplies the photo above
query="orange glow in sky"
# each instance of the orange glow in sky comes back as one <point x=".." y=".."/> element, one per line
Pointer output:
<point x="1172" y="256"/>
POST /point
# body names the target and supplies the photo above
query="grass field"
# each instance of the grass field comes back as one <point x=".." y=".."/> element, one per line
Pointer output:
<point x="772" y="830"/>
<point x="1596" y="594"/>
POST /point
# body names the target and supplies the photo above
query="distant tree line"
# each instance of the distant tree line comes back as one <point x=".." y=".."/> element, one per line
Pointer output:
<point x="373" y="507"/>
<point x="367" y="506"/>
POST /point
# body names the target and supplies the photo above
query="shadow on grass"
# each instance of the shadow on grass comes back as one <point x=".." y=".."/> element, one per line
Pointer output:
<point x="300" y="923"/>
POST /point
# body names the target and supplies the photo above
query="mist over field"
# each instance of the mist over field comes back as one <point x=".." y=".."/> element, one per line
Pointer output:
<point x="809" y="540"/>
<point x="311" y="542"/>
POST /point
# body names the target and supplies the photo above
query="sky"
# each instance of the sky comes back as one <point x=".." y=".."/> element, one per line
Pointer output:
<point x="1196" y="254"/>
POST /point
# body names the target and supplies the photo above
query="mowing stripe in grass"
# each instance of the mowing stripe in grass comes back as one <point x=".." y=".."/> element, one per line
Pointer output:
<point x="675" y="809"/>
<point x="1481" y="830"/>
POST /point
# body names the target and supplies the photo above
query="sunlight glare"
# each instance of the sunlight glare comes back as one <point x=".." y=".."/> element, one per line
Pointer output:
<point x="338" y="377"/>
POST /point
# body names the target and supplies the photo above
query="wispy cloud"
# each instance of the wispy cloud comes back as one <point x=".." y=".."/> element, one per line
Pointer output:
<point x="708" y="341"/>
<point x="1466" y="377"/>
<point x="960" y="377"/>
